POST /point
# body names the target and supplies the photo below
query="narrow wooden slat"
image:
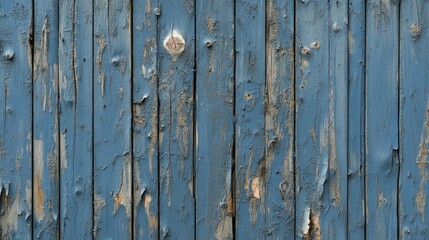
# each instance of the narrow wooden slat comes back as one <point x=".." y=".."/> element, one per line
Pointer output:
<point x="15" y="129"/>
<point x="333" y="217"/>
<point x="414" y="120"/>
<point x="112" y="122"/>
<point x="356" y="111"/>
<point x="313" y="121"/>
<point x="214" y="119"/>
<point x="250" y="162"/>
<point x="382" y="161"/>
<point x="75" y="89"/>
<point x="279" y="118"/>
<point x="45" y="121"/>
<point x="145" y="119"/>
<point x="176" y="24"/>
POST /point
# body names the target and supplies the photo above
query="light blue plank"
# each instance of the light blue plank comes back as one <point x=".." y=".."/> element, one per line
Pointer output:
<point x="176" y="101"/>
<point x="250" y="163"/>
<point x="15" y="128"/>
<point x="356" y="140"/>
<point x="382" y="161"/>
<point x="145" y="123"/>
<point x="414" y="120"/>
<point x="280" y="120"/>
<point x="313" y="120"/>
<point x="112" y="120"/>
<point x="214" y="119"/>
<point x="333" y="217"/>
<point x="45" y="121"/>
<point x="75" y="89"/>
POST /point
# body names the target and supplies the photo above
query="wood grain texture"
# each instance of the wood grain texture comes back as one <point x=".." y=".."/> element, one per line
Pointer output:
<point x="214" y="119"/>
<point x="176" y="114"/>
<point x="313" y="120"/>
<point x="45" y="121"/>
<point x="280" y="120"/>
<point x="112" y="120"/>
<point x="16" y="125"/>
<point x="145" y="119"/>
<point x="75" y="94"/>
<point x="356" y="118"/>
<point x="250" y="162"/>
<point x="382" y="19"/>
<point x="414" y="120"/>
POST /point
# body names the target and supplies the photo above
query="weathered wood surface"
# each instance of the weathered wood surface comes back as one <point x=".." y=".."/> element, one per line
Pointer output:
<point x="381" y="119"/>
<point x="214" y="123"/>
<point x="204" y="119"/>
<point x="112" y="203"/>
<point x="46" y="145"/>
<point x="75" y="118"/>
<point x="16" y="20"/>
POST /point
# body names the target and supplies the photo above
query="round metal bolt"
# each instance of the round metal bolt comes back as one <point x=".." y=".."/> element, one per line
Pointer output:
<point x="335" y="27"/>
<point x="8" y="54"/>
<point x="315" y="45"/>
<point x="208" y="43"/>
<point x="157" y="11"/>
<point x="115" y="61"/>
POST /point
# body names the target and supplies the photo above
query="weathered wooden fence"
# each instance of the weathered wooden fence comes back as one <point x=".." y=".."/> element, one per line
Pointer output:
<point x="214" y="119"/>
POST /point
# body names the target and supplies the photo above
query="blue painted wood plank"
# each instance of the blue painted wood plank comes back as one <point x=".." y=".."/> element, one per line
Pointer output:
<point x="145" y="115"/>
<point x="75" y="89"/>
<point x="280" y="120"/>
<point x="356" y="118"/>
<point x="176" y="26"/>
<point x="321" y="120"/>
<point x="250" y="162"/>
<point x="45" y="121"/>
<point x="15" y="129"/>
<point x="414" y="119"/>
<point x="214" y="119"/>
<point x="382" y="161"/>
<point x="112" y="120"/>
<point x="333" y="217"/>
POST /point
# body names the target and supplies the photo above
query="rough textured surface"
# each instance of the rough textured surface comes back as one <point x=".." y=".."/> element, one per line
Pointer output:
<point x="112" y="119"/>
<point x="214" y="119"/>
<point x="204" y="119"/>
<point x="176" y="128"/>
<point x="75" y="89"/>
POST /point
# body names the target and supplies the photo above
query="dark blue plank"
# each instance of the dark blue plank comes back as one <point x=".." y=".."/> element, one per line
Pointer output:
<point x="355" y="141"/>
<point x="214" y="119"/>
<point x="112" y="120"/>
<point x="75" y="89"/>
<point x="280" y="120"/>
<point x="382" y="161"/>
<point x="145" y="119"/>
<point x="176" y="26"/>
<point x="414" y="120"/>
<point x="15" y="128"/>
<point x="45" y="121"/>
<point x="250" y="163"/>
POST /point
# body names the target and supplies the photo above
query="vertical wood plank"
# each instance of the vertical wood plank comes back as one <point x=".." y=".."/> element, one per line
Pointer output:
<point x="75" y="89"/>
<point x="145" y="118"/>
<point x="356" y="118"/>
<point x="45" y="121"/>
<point x="321" y="119"/>
<point x="214" y="119"/>
<point x="280" y="120"/>
<point x="112" y="120"/>
<point x="16" y="128"/>
<point x="250" y="120"/>
<point x="176" y="134"/>
<point x="334" y="215"/>
<point x="382" y="118"/>
<point x="414" y="120"/>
